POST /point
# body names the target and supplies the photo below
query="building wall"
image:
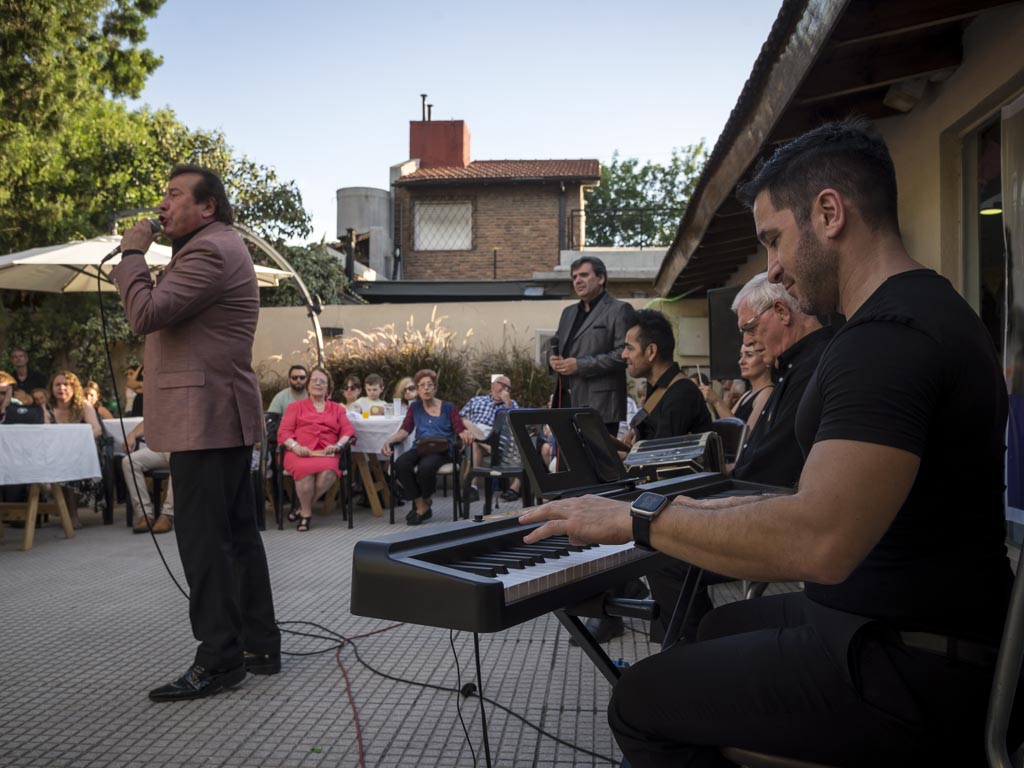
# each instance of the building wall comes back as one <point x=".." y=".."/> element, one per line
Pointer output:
<point x="284" y="334"/>
<point x="925" y="142"/>
<point x="520" y="220"/>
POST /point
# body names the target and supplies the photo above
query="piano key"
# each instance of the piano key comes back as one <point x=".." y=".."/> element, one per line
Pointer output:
<point x="502" y="562"/>
<point x="479" y="570"/>
<point x="562" y="571"/>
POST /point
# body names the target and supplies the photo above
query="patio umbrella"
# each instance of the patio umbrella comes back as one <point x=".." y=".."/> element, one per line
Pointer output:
<point x="72" y="267"/>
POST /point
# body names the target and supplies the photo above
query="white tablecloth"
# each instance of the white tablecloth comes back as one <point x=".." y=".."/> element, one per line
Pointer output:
<point x="114" y="428"/>
<point x="371" y="433"/>
<point x="47" y="453"/>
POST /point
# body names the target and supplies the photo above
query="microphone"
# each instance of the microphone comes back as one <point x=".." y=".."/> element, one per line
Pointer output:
<point x="153" y="225"/>
<point x="554" y="345"/>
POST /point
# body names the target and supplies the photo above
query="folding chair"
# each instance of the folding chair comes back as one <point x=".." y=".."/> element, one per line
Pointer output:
<point x="506" y="463"/>
<point x="452" y="469"/>
<point x="344" y="463"/>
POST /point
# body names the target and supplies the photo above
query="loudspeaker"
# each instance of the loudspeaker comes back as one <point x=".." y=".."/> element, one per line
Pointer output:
<point x="724" y="336"/>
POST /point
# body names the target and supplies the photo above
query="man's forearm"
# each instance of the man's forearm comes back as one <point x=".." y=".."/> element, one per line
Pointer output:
<point x="758" y="538"/>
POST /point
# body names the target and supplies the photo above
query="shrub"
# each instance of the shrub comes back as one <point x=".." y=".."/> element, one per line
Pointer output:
<point x="531" y="383"/>
<point x="393" y="355"/>
<point x="462" y="373"/>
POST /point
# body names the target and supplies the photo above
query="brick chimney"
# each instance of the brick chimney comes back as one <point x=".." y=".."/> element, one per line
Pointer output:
<point x="439" y="143"/>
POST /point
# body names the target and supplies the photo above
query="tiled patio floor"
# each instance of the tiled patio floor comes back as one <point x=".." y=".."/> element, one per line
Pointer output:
<point x="89" y="625"/>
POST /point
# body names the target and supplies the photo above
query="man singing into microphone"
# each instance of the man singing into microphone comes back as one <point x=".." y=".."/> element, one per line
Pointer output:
<point x="203" y="406"/>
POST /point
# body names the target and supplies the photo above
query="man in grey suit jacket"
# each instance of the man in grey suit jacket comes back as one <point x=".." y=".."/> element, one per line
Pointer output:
<point x="203" y="406"/>
<point x="591" y="337"/>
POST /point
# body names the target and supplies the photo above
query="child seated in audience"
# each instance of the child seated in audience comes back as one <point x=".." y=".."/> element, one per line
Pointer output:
<point x="371" y="402"/>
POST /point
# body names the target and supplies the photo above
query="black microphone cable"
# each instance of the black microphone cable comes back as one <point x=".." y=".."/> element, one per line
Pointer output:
<point x="339" y="641"/>
<point x="120" y="413"/>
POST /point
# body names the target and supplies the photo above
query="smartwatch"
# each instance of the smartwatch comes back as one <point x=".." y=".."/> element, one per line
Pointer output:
<point x="643" y="510"/>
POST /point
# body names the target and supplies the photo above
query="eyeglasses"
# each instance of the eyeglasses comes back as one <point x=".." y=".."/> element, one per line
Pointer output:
<point x="319" y="382"/>
<point x="351" y="386"/>
<point x="297" y="378"/>
<point x="411" y="388"/>
<point x="751" y="324"/>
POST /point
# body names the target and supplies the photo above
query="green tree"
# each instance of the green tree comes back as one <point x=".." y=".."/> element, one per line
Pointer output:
<point x="72" y="153"/>
<point x="641" y="204"/>
<point x="321" y="271"/>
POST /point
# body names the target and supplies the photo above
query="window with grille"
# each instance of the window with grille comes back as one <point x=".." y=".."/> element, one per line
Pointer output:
<point x="443" y="226"/>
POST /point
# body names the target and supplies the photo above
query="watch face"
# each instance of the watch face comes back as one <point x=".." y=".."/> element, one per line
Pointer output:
<point x="649" y="502"/>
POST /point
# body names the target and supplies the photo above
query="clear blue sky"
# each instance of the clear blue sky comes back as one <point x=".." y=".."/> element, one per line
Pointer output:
<point x="324" y="90"/>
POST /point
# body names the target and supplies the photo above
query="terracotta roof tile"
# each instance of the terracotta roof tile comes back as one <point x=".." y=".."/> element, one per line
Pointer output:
<point x="508" y="170"/>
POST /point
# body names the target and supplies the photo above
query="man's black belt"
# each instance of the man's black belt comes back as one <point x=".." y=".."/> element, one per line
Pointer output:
<point x="953" y="648"/>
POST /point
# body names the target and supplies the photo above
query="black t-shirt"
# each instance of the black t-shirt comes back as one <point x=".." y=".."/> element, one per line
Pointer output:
<point x="915" y="369"/>
<point x="772" y="454"/>
<point x="31" y="381"/>
<point x="681" y="410"/>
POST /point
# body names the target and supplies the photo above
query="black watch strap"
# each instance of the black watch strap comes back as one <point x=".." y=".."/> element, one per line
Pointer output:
<point x="642" y="531"/>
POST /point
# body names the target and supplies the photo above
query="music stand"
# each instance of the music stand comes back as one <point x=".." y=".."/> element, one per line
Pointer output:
<point x="588" y="457"/>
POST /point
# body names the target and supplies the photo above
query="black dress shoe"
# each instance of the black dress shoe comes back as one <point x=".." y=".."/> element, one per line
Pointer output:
<point x="262" y="663"/>
<point x="198" y="683"/>
<point x="604" y="629"/>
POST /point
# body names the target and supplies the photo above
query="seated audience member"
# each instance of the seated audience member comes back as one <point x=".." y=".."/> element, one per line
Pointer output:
<point x="92" y="397"/>
<point x="296" y="390"/>
<point x="478" y="415"/>
<point x="133" y="390"/>
<point x="144" y="459"/>
<point x="11" y="493"/>
<point x="69" y="407"/>
<point x="9" y="396"/>
<point x="631" y="408"/>
<point x="24" y="377"/>
<point x="351" y="391"/>
<point x="757" y="369"/>
<point x="887" y="657"/>
<point x="417" y="467"/>
<point x="405" y="390"/>
<point x="7" y="384"/>
<point x="313" y="432"/>
<point x="371" y="402"/>
<point x="39" y="397"/>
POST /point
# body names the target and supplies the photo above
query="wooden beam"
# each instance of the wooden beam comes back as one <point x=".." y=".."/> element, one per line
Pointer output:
<point x="874" y="19"/>
<point x="729" y="237"/>
<point x="696" y="270"/>
<point x="799" y="119"/>
<point x="854" y="69"/>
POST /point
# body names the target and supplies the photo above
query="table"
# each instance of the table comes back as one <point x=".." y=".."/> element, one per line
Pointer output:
<point x="40" y="455"/>
<point x="371" y="434"/>
<point x="113" y="427"/>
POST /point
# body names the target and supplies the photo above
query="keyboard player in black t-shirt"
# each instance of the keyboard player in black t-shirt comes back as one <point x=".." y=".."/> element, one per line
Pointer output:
<point x="897" y="527"/>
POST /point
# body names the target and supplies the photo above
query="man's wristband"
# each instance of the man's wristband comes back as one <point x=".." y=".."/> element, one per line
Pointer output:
<point x="131" y="251"/>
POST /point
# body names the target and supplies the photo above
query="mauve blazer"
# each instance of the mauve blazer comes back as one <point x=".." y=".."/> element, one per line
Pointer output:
<point x="199" y="321"/>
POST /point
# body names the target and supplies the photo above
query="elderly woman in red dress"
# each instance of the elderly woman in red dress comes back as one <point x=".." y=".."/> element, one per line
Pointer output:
<point x="313" y="432"/>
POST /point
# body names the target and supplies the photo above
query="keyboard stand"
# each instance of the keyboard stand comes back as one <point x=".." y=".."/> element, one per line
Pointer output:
<point x="590" y="646"/>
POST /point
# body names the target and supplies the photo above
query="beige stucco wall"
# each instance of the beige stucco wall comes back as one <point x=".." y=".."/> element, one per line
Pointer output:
<point x="929" y="189"/>
<point x="282" y="332"/>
